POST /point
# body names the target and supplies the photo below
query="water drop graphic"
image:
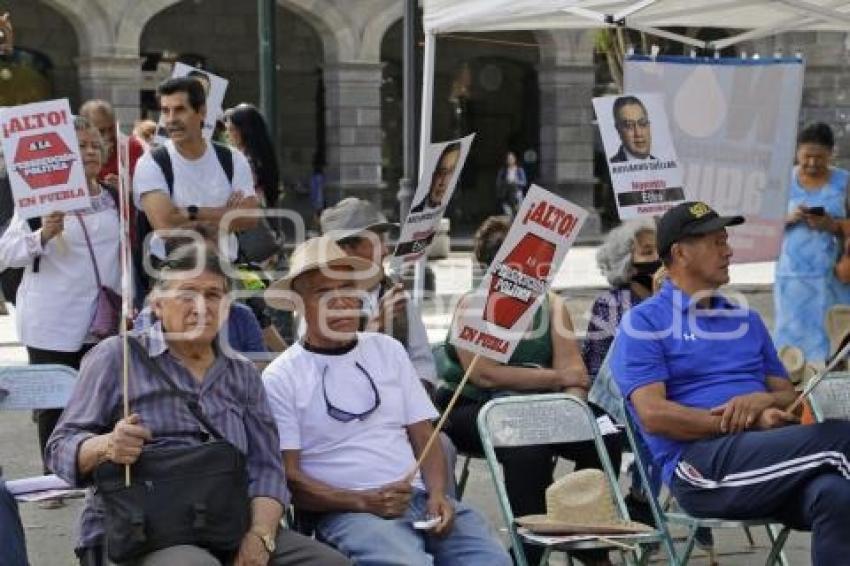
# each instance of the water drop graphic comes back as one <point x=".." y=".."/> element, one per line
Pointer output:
<point x="699" y="106"/>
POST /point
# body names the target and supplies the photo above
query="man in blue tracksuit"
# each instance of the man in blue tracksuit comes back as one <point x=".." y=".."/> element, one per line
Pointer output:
<point x="708" y="392"/>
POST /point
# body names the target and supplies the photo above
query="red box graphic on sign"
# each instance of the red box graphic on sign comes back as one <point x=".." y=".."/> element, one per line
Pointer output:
<point x="43" y="160"/>
<point x="532" y="256"/>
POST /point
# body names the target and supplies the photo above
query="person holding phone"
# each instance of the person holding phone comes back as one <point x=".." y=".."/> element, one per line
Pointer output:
<point x="806" y="286"/>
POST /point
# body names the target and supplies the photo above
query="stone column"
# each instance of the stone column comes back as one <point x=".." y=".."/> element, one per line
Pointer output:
<point x="116" y="79"/>
<point x="353" y="131"/>
<point x="567" y="134"/>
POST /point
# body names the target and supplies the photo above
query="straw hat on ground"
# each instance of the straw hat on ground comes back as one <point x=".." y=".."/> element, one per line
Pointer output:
<point x="794" y="361"/>
<point x="319" y="253"/>
<point x="581" y="503"/>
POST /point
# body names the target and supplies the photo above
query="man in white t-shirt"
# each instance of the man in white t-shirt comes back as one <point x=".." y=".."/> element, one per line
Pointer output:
<point x="360" y="229"/>
<point x="353" y="417"/>
<point x="200" y="190"/>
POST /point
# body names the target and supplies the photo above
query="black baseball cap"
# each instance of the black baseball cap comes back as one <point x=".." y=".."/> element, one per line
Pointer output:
<point x="691" y="218"/>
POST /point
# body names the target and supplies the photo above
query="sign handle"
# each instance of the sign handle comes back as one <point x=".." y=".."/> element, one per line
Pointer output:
<point x="813" y="382"/>
<point x="442" y="421"/>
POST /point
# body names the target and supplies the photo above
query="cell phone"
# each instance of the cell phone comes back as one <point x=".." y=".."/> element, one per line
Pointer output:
<point x="815" y="211"/>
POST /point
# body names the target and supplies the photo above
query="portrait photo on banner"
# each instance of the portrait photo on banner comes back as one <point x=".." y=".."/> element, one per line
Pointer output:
<point x="441" y="170"/>
<point x="642" y="161"/>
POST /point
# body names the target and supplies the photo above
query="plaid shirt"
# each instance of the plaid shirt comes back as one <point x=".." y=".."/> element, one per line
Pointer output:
<point x="231" y="395"/>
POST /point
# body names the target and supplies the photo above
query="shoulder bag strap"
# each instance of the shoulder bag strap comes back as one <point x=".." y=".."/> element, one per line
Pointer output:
<point x="225" y="159"/>
<point x="163" y="160"/>
<point x="91" y="250"/>
<point x="189" y="399"/>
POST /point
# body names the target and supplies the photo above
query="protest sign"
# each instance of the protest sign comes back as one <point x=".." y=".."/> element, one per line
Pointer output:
<point x="734" y="123"/>
<point x="496" y="316"/>
<point x="43" y="158"/>
<point x="645" y="173"/>
<point x="215" y="88"/>
<point x="441" y="168"/>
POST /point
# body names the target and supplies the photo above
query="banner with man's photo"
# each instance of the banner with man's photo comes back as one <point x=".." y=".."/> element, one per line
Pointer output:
<point x="734" y="124"/>
<point x="493" y="319"/>
<point x="440" y="171"/>
<point x="645" y="172"/>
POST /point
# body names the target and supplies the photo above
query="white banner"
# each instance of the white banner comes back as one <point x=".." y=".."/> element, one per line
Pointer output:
<point x="734" y="124"/>
<point x="645" y="172"/>
<point x="43" y="158"/>
<point x="441" y="170"/>
<point x="215" y="88"/>
<point x="492" y="320"/>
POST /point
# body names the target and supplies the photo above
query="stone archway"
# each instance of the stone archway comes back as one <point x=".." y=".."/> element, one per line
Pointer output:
<point x="501" y="104"/>
<point x="56" y="32"/>
<point x="223" y="33"/>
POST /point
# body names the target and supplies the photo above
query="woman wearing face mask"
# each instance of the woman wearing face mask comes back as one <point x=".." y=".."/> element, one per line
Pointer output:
<point x="628" y="258"/>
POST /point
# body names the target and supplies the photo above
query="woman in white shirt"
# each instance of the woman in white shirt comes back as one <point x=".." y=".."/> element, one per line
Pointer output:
<point x="56" y="299"/>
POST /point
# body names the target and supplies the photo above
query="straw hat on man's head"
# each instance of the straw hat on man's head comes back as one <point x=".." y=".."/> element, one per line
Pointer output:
<point x="320" y="253"/>
<point x="581" y="503"/>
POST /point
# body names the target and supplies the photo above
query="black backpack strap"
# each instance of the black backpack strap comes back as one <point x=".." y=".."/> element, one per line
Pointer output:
<point x="163" y="160"/>
<point x="190" y="400"/>
<point x="225" y="158"/>
<point x="35" y="225"/>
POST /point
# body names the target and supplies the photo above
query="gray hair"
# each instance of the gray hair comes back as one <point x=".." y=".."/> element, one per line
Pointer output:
<point x="82" y="124"/>
<point x="614" y="256"/>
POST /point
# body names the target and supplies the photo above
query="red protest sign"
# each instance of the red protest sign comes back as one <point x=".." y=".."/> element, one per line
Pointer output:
<point x="496" y="316"/>
<point x="43" y="158"/>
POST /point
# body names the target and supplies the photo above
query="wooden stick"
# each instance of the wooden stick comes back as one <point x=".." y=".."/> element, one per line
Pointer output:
<point x="442" y="421"/>
<point x="126" y="386"/>
<point x="843" y="350"/>
<point x="126" y="281"/>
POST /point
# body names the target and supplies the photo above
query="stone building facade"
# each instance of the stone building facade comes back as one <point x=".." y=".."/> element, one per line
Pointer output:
<point x="339" y="84"/>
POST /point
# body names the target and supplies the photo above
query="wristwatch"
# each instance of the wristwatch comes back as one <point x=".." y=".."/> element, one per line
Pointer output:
<point x="266" y="538"/>
<point x="192" y="210"/>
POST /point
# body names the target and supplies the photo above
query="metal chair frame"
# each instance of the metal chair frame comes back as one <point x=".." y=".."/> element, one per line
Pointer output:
<point x="554" y="433"/>
<point x="777" y="534"/>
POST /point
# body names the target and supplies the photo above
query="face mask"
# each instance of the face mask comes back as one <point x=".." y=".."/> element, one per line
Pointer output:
<point x="647" y="267"/>
<point x="644" y="272"/>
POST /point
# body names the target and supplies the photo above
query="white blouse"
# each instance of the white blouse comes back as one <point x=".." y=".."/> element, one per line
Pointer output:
<point x="55" y="305"/>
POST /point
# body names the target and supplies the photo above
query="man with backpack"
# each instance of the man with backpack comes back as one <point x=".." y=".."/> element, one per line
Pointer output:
<point x="188" y="179"/>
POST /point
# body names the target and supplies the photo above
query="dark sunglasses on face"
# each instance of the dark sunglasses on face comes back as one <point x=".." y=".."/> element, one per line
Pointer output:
<point x="342" y="415"/>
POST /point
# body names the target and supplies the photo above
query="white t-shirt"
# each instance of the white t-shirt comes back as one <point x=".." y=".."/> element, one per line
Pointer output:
<point x="356" y="455"/>
<point x="199" y="182"/>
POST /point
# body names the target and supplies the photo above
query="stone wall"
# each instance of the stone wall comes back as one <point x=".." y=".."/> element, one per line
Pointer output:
<point x="43" y="29"/>
<point x="225" y="33"/>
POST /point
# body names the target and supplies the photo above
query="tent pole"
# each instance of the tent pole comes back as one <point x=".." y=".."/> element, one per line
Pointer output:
<point x="668" y="35"/>
<point x="428" y="59"/>
<point x="758" y="33"/>
<point x="824" y="13"/>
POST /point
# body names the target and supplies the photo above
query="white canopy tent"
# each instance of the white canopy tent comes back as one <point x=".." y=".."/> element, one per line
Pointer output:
<point x="754" y="19"/>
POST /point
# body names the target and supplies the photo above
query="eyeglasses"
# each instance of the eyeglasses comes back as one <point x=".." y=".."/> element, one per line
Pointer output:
<point x="342" y="415"/>
<point x="633" y="125"/>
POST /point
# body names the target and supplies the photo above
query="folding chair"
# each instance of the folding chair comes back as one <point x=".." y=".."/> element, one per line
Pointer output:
<point x="525" y="420"/>
<point x="831" y="398"/>
<point x="777" y="534"/>
<point x="36" y="386"/>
